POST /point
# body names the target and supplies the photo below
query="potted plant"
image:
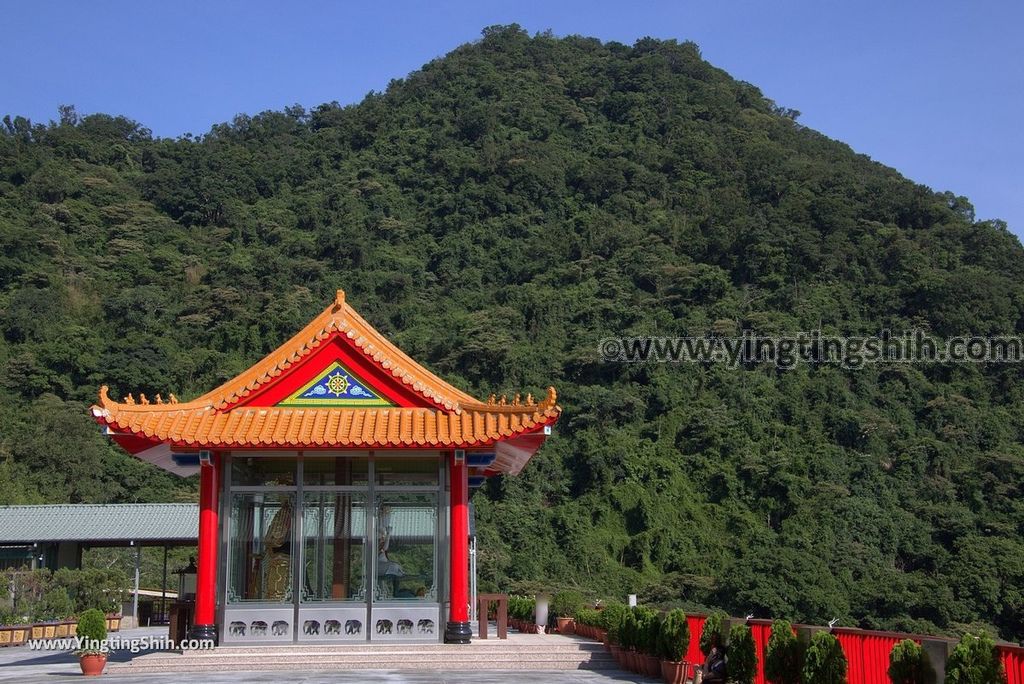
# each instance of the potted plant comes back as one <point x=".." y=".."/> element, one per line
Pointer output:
<point x="784" y="655"/>
<point x="974" y="659"/>
<point x="742" y="655"/>
<point x="565" y="605"/>
<point x="674" y="639"/>
<point x="713" y="632"/>
<point x="92" y="635"/>
<point x="611" y="620"/>
<point x="909" y="664"/>
<point x="649" y="634"/>
<point x="824" y="662"/>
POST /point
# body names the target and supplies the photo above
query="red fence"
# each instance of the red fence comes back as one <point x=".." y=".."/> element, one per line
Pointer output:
<point x="867" y="654"/>
<point x="696" y="625"/>
<point x="1013" y="662"/>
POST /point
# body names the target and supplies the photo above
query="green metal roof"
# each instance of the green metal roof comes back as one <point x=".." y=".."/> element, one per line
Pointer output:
<point x="119" y="523"/>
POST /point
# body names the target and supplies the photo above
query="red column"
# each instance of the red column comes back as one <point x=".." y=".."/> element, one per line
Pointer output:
<point x="204" y="622"/>
<point x="458" y="630"/>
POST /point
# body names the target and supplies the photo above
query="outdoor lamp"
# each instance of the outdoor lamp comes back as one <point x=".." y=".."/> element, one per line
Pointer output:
<point x="187" y="580"/>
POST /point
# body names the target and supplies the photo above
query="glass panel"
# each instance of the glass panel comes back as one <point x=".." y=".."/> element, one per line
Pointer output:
<point x="260" y="557"/>
<point x="334" y="527"/>
<point x="339" y="471"/>
<point x="406" y="471"/>
<point x="406" y="547"/>
<point x="256" y="471"/>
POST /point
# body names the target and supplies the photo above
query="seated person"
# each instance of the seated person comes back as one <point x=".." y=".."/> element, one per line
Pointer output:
<point x="714" y="669"/>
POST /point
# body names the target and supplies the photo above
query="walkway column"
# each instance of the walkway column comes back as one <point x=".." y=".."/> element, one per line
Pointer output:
<point x="204" y="622"/>
<point x="458" y="631"/>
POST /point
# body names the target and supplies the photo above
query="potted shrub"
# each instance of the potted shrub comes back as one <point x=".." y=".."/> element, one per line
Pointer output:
<point x="6" y="628"/>
<point x="92" y="633"/>
<point x="742" y="655"/>
<point x="713" y="631"/>
<point x="673" y="641"/>
<point x="627" y="640"/>
<point x="784" y="655"/>
<point x="649" y="626"/>
<point x="909" y="664"/>
<point x="611" y="620"/>
<point x="824" y="662"/>
<point x="565" y="605"/>
<point x="974" y="660"/>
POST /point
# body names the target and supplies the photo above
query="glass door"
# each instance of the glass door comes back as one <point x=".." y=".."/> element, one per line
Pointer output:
<point x="405" y="589"/>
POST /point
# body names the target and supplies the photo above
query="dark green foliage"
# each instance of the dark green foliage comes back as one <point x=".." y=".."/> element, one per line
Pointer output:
<point x="587" y="616"/>
<point x="824" y="661"/>
<point x="498" y="213"/>
<point x="629" y="630"/>
<point x="675" y="636"/>
<point x="742" y="655"/>
<point x="974" y="661"/>
<point x="909" y="664"/>
<point x="521" y="607"/>
<point x="713" y="631"/>
<point x="612" y="619"/>
<point x="566" y="603"/>
<point x="648" y="629"/>
<point x="55" y="605"/>
<point x="92" y="630"/>
<point x="784" y="655"/>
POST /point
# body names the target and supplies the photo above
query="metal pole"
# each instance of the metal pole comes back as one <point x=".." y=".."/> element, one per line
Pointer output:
<point x="135" y="598"/>
<point x="163" y="589"/>
<point x="472" y="580"/>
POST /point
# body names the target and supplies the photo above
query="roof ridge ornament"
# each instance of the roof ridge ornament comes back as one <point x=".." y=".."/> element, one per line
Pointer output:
<point x="339" y="300"/>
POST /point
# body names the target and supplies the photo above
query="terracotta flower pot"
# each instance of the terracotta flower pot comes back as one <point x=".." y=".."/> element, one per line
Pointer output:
<point x="652" y="666"/>
<point x="674" y="672"/>
<point x="20" y="634"/>
<point x="566" y="625"/>
<point x="92" y="663"/>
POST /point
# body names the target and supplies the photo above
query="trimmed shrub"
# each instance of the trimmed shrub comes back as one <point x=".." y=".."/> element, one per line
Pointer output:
<point x="714" y="629"/>
<point x="742" y="655"/>
<point x="55" y="605"/>
<point x="784" y="655"/>
<point x="92" y="629"/>
<point x="648" y="629"/>
<point x="675" y="636"/>
<point x="566" y="604"/>
<point x="908" y="664"/>
<point x="974" y="661"/>
<point x="824" y="662"/>
<point x="612" y="618"/>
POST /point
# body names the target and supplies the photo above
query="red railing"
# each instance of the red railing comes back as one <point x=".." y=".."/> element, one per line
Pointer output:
<point x="867" y="654"/>
<point x="1013" y="663"/>
<point x="760" y="630"/>
<point x="696" y="625"/>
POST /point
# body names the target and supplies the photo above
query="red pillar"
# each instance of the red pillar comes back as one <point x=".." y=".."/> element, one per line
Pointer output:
<point x="204" y="621"/>
<point x="458" y="630"/>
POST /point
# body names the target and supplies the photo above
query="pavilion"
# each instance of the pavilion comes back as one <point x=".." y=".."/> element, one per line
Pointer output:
<point x="334" y="486"/>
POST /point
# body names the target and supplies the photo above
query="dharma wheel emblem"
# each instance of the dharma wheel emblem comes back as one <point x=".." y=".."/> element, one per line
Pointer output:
<point x="337" y="384"/>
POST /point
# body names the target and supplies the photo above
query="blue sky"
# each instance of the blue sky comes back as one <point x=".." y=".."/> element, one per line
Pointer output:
<point x="934" y="89"/>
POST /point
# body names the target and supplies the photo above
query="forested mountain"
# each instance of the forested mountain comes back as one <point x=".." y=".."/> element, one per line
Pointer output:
<point x="499" y="212"/>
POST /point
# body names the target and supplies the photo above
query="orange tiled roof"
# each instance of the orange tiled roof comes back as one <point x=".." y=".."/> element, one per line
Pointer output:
<point x="268" y="427"/>
<point x="341" y="318"/>
<point x="215" y="420"/>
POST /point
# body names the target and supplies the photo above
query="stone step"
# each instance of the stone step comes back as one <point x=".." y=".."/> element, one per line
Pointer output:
<point x="140" y="665"/>
<point x="488" y="655"/>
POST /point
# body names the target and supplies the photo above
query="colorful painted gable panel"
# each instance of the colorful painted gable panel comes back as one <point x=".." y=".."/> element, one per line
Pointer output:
<point x="335" y="386"/>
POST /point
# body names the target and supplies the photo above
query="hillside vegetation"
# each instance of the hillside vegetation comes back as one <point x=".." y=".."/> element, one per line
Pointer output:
<point x="499" y="212"/>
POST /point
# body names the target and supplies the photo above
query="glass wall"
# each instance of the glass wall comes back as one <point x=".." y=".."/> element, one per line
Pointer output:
<point x="333" y="548"/>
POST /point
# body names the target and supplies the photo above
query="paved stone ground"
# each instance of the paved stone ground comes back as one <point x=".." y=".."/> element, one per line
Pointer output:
<point x="25" y="666"/>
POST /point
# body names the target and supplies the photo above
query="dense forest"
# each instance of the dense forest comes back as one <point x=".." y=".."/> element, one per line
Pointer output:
<point x="497" y="213"/>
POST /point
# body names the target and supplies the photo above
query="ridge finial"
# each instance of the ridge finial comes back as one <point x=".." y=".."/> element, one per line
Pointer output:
<point x="339" y="299"/>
